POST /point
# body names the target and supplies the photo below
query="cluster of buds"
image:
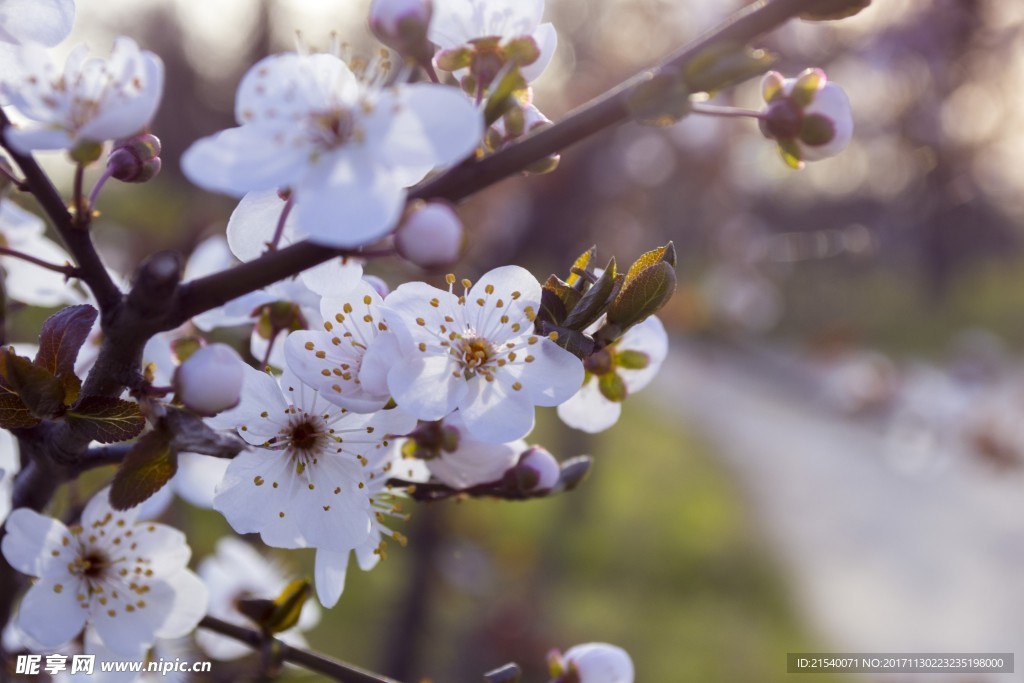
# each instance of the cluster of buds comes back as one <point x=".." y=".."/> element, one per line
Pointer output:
<point x="135" y="159"/>
<point x="807" y="116"/>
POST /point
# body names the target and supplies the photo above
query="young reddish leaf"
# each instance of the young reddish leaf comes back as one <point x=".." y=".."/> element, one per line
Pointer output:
<point x="14" y="414"/>
<point x="584" y="261"/>
<point x="595" y="301"/>
<point x="666" y="254"/>
<point x="106" y="419"/>
<point x="62" y="336"/>
<point x="40" y="391"/>
<point x="149" y="465"/>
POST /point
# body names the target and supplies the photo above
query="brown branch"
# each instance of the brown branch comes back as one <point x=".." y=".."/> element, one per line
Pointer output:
<point x="472" y="176"/>
<point x="90" y="268"/>
<point x="336" y="670"/>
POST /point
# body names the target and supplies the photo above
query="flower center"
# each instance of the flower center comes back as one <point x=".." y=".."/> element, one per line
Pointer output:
<point x="90" y="566"/>
<point x="474" y="353"/>
<point x="306" y="435"/>
<point x="335" y="127"/>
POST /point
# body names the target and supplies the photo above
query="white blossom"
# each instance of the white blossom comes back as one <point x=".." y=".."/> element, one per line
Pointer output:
<point x="126" y="578"/>
<point x="88" y="100"/>
<point x="237" y="571"/>
<point x="345" y="148"/>
<point x="478" y="353"/>
<point x="332" y="566"/>
<point x="456" y="458"/>
<point x="463" y="23"/>
<point x="46" y="22"/>
<point x="597" y="663"/>
<point x="347" y="360"/>
<point x="635" y="360"/>
<point x="305" y="481"/>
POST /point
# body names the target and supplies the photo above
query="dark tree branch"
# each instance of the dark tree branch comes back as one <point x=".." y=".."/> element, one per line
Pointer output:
<point x="472" y="176"/>
<point x="338" y="671"/>
<point x="77" y="241"/>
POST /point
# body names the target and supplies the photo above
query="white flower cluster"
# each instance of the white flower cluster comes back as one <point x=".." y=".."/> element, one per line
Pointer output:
<point x="358" y="384"/>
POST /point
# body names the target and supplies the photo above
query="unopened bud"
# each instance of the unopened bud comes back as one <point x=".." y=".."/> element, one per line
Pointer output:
<point x="597" y="663"/>
<point x="808" y="116"/>
<point x="210" y="381"/>
<point x="536" y="471"/>
<point x="135" y="159"/>
<point x="402" y="26"/>
<point x="431" y="235"/>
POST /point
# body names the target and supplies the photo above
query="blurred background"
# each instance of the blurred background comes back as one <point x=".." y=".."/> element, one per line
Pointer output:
<point x="831" y="459"/>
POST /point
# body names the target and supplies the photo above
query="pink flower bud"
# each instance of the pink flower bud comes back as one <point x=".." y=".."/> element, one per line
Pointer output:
<point x="402" y="26"/>
<point x="135" y="159"/>
<point x="431" y="235"/>
<point x="537" y="470"/>
<point x="210" y="381"/>
<point x="599" y="663"/>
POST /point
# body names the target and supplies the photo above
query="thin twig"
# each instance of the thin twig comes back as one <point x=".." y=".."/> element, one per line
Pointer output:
<point x="281" y="220"/>
<point x="78" y="194"/>
<point x="724" y="111"/>
<point x="65" y="270"/>
<point x="339" y="671"/>
<point x="474" y="175"/>
<point x="78" y="242"/>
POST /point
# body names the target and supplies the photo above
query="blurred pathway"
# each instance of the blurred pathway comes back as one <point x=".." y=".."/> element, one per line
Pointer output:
<point x="880" y="560"/>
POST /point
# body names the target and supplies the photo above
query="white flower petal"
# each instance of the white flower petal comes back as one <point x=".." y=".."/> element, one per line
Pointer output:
<point x="233" y="163"/>
<point x="38" y="21"/>
<point x="495" y="413"/>
<point x="253" y="223"/>
<point x="425" y="388"/>
<point x="589" y="411"/>
<point x="30" y="540"/>
<point x="49" y="617"/>
<point x="649" y="338"/>
<point x="547" y="41"/>
<point x="329" y="574"/>
<point x="348" y="201"/>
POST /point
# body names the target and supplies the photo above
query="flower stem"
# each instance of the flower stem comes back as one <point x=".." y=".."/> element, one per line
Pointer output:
<point x="281" y="220"/>
<point x="94" y="195"/>
<point x="722" y="111"/>
<point x="6" y="172"/>
<point x="81" y="213"/>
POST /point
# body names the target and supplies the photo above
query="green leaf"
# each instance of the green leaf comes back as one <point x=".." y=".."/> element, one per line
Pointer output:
<point x="665" y="254"/>
<point x="62" y="337"/>
<point x="40" y="391"/>
<point x="612" y="387"/>
<point x="147" y="467"/>
<point x="726" y="64"/>
<point x="14" y="414"/>
<point x="106" y="419"/>
<point x="595" y="301"/>
<point x="642" y="296"/>
<point x="552" y="310"/>
<point x="584" y="262"/>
